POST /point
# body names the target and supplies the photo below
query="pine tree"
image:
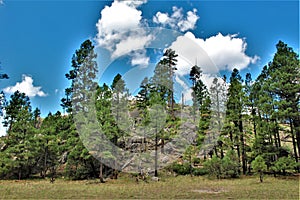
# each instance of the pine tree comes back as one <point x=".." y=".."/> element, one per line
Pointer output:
<point x="142" y="97"/>
<point x="48" y="141"/>
<point x="120" y="112"/>
<point x="120" y="107"/>
<point x="198" y="89"/>
<point x="284" y="83"/>
<point x="259" y="166"/>
<point x="157" y="122"/>
<point x="235" y="105"/>
<point x="263" y="115"/>
<point x="108" y="127"/>
<point x="160" y="81"/>
<point x="83" y="72"/>
<point x="218" y="92"/>
<point x="170" y="61"/>
<point x="19" y="156"/>
<point x="201" y="106"/>
<point x="80" y="101"/>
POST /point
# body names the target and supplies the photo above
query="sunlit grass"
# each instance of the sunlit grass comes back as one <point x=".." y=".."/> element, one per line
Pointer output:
<point x="181" y="187"/>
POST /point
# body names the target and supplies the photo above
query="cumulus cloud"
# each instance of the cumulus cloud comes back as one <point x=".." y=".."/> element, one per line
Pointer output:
<point x="130" y="44"/>
<point x="140" y="58"/>
<point x="213" y="54"/>
<point x="3" y="129"/>
<point x="27" y="87"/>
<point x="121" y="30"/>
<point x="177" y="20"/>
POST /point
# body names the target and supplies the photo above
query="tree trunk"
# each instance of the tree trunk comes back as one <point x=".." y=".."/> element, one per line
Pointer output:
<point x="294" y="143"/>
<point x="101" y="172"/>
<point x="20" y="173"/>
<point x="231" y="139"/>
<point x="172" y="92"/>
<point x="162" y="146"/>
<point x="191" y="166"/>
<point x="244" y="162"/>
<point x="222" y="152"/>
<point x="254" y="121"/>
<point x="297" y="131"/>
<point x="261" y="174"/>
<point x="216" y="152"/>
<point x="45" y="160"/>
<point x="156" y="154"/>
<point x="277" y="133"/>
<point x="93" y="169"/>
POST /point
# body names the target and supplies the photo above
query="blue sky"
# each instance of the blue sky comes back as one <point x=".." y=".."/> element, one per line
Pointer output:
<point x="38" y="38"/>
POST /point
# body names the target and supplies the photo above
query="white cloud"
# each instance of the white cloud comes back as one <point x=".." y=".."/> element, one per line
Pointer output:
<point x="3" y="129"/>
<point x="1" y="2"/>
<point x="161" y="18"/>
<point x="131" y="44"/>
<point x="121" y="30"/>
<point x="26" y="86"/>
<point x="177" y="20"/>
<point x="139" y="58"/>
<point x="212" y="54"/>
<point x="134" y="3"/>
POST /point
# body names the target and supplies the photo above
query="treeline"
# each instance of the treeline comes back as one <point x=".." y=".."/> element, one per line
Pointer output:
<point x="239" y="126"/>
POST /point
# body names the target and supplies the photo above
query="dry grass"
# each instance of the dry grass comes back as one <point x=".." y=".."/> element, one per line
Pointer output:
<point x="169" y="188"/>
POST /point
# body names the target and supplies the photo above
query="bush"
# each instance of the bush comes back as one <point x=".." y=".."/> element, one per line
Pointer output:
<point x="228" y="167"/>
<point x="259" y="166"/>
<point x="184" y="169"/>
<point x="181" y="169"/>
<point x="284" y="163"/>
<point x="199" y="171"/>
<point x="196" y="160"/>
<point x="214" y="166"/>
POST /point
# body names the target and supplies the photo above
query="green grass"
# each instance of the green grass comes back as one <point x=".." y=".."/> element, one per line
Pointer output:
<point x="181" y="187"/>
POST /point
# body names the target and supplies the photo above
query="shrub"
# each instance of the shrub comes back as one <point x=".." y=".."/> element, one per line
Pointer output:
<point x="259" y="165"/>
<point x="199" y="171"/>
<point x="284" y="163"/>
<point x="214" y="166"/>
<point x="230" y="165"/>
<point x="181" y="169"/>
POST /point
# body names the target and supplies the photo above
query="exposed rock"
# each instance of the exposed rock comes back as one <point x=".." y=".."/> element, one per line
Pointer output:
<point x="154" y="178"/>
<point x="4" y="146"/>
<point x="63" y="158"/>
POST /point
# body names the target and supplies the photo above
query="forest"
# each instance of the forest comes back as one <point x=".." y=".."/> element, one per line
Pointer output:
<point x="237" y="126"/>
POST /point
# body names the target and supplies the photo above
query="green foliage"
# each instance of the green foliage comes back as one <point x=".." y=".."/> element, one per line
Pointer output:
<point x="185" y="169"/>
<point x="120" y="108"/>
<point x="41" y="146"/>
<point x="227" y="167"/>
<point x="230" y="165"/>
<point x="80" y="163"/>
<point x="259" y="166"/>
<point x="199" y="171"/>
<point x="181" y="169"/>
<point x="284" y="164"/>
<point x="214" y="167"/>
<point x="18" y="158"/>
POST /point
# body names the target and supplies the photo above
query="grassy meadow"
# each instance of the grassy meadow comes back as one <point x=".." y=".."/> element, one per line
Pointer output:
<point x="181" y="187"/>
